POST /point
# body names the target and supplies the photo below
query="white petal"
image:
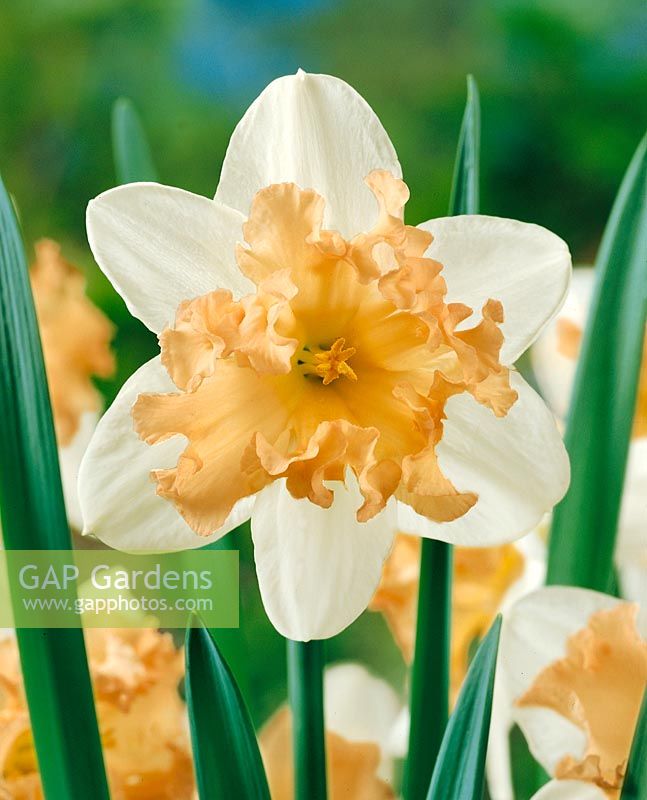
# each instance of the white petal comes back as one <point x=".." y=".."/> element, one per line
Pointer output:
<point x="524" y="266"/>
<point x="317" y="568"/>
<point x="498" y="766"/>
<point x="317" y="132"/>
<point x="397" y="744"/>
<point x="499" y="773"/>
<point x="633" y="583"/>
<point x="534" y="635"/>
<point x="118" y="499"/>
<point x="568" y="790"/>
<point x="69" y="458"/>
<point x="554" y="370"/>
<point x="361" y="708"/>
<point x="516" y="464"/>
<point x="533" y="549"/>
<point x="631" y="546"/>
<point x="159" y="245"/>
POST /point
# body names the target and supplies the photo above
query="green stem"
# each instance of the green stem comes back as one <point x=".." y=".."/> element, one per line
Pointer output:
<point x="305" y="688"/>
<point x="430" y="673"/>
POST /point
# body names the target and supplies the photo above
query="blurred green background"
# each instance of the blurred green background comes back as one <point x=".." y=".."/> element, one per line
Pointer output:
<point x="563" y="88"/>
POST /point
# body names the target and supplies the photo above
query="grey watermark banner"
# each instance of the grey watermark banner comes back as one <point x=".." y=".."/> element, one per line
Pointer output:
<point x="108" y="589"/>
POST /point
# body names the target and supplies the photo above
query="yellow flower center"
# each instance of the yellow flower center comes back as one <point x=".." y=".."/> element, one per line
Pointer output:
<point x="259" y="397"/>
<point x="328" y="363"/>
<point x="598" y="686"/>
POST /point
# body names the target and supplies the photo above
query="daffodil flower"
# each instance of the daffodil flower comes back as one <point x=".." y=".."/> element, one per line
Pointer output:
<point x="361" y="711"/>
<point x="325" y="369"/>
<point x="75" y="337"/>
<point x="554" y="360"/>
<point x="573" y="666"/>
<point x="142" y="718"/>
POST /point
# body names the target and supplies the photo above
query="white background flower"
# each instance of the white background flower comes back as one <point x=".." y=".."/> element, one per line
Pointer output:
<point x="554" y="364"/>
<point x="535" y="635"/>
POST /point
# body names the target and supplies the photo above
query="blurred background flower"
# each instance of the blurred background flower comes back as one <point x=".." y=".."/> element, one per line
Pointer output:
<point x="76" y="338"/>
<point x="573" y="664"/>
<point x="554" y="360"/>
<point x="142" y="718"/>
<point x="361" y="713"/>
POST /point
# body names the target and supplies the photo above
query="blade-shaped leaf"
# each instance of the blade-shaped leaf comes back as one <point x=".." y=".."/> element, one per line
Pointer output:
<point x="465" y="186"/>
<point x="226" y="755"/>
<point x="604" y="396"/>
<point x="132" y="154"/>
<point x="429" y="700"/>
<point x="57" y="682"/>
<point x="635" y="783"/>
<point x="459" y="773"/>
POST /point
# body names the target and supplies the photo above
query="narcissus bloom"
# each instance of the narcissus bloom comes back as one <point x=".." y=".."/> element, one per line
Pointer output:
<point x="142" y="718"/>
<point x="360" y="712"/>
<point x="325" y="369"/>
<point x="485" y="581"/>
<point x="76" y="337"/>
<point x="554" y="360"/>
<point x="573" y="664"/>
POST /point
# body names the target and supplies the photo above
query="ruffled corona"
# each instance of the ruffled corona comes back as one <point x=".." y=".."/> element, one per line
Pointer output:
<point x="341" y="361"/>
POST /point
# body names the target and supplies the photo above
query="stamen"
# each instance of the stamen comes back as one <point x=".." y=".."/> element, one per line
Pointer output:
<point x="328" y="364"/>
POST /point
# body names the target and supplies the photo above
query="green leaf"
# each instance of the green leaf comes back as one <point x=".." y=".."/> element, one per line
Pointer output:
<point x="226" y="755"/>
<point x="54" y="666"/>
<point x="305" y="688"/>
<point x="459" y="773"/>
<point x="429" y="700"/>
<point x="465" y="186"/>
<point x="232" y="642"/>
<point x="132" y="154"/>
<point x="635" y="783"/>
<point x="599" y="425"/>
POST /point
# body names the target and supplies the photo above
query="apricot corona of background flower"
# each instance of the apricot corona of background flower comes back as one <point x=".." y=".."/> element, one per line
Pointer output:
<point x="574" y="667"/>
<point x="361" y="711"/>
<point x="142" y="718"/>
<point x="325" y="368"/>
<point x="75" y="337"/>
<point x="481" y="581"/>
